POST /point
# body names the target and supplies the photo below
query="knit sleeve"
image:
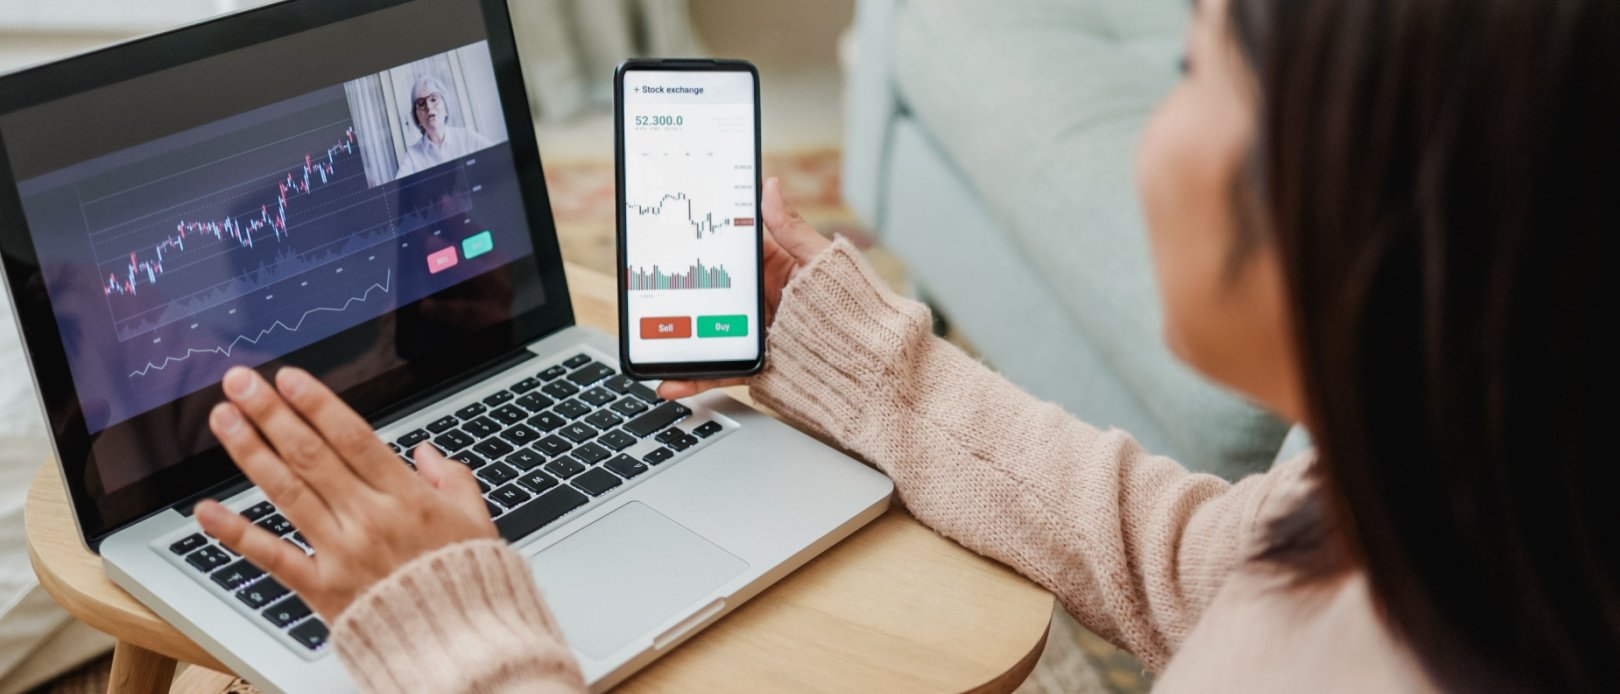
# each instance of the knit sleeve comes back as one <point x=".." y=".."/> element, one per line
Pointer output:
<point x="465" y="618"/>
<point x="1133" y="545"/>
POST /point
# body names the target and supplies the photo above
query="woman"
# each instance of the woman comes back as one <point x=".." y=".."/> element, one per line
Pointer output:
<point x="1386" y="219"/>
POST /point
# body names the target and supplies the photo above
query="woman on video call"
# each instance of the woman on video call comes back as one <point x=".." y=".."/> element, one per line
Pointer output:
<point x="1392" y="221"/>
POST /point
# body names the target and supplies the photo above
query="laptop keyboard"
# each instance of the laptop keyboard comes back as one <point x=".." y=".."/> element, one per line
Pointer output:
<point x="544" y="446"/>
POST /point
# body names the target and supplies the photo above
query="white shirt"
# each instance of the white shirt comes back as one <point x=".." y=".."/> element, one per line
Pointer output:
<point x="423" y="154"/>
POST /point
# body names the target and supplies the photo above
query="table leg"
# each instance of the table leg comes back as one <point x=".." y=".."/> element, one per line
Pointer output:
<point x="139" y="671"/>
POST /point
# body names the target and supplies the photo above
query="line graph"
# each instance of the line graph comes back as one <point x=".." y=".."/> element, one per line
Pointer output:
<point x="296" y="183"/>
<point x="707" y="222"/>
<point x="386" y="286"/>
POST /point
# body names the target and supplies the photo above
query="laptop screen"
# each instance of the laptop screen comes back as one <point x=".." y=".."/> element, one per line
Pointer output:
<point x="345" y="197"/>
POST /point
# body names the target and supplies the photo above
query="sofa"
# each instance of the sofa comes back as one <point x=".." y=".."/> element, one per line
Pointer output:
<point x="989" y="145"/>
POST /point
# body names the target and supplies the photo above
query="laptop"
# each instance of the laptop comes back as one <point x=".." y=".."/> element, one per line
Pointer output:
<point x="251" y="190"/>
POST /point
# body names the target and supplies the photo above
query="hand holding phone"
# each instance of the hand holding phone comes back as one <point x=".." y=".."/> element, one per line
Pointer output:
<point x="790" y="245"/>
<point x="691" y="296"/>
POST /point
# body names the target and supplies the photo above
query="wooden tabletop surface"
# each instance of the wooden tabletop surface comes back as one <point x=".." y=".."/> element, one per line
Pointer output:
<point x="893" y="607"/>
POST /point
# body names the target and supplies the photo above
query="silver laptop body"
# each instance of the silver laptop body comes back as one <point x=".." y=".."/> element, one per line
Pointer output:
<point x="224" y="193"/>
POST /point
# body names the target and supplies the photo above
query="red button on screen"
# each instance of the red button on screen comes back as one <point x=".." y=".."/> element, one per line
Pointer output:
<point x="666" y="327"/>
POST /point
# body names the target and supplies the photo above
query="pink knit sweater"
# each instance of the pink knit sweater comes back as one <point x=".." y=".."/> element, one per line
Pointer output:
<point x="1138" y="549"/>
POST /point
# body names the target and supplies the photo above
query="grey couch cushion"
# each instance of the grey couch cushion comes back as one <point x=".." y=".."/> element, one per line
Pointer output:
<point x="1040" y="103"/>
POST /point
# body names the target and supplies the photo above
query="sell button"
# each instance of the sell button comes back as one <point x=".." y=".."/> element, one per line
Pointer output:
<point x="723" y="326"/>
<point x="665" y="328"/>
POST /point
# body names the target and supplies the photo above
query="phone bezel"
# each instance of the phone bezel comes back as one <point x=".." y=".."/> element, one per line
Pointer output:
<point x="685" y="370"/>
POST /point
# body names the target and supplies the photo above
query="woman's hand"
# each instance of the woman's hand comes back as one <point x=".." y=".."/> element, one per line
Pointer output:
<point x="790" y="243"/>
<point x="360" y="507"/>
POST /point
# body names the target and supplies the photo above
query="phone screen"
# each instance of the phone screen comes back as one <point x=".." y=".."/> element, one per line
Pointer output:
<point x="691" y="228"/>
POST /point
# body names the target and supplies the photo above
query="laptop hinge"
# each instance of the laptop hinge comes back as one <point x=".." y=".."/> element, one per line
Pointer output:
<point x="408" y="407"/>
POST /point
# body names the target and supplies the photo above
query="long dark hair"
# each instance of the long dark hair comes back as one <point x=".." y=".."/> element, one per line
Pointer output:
<point x="1441" y="179"/>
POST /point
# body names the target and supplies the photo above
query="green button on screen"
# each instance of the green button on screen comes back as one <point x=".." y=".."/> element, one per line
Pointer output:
<point x="477" y="245"/>
<point x="722" y="326"/>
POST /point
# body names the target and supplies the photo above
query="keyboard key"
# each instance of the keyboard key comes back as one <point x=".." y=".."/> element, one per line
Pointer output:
<point x="525" y="459"/>
<point x="277" y="524"/>
<point x="497" y="473"/>
<point x="708" y="429"/>
<point x="571" y="409"/>
<point x="299" y="536"/>
<point x="591" y="454"/>
<point x="658" y="456"/>
<point x="590" y="373"/>
<point x="509" y="414"/>
<point x="657" y="418"/>
<point x="577" y="361"/>
<point x="564" y="468"/>
<point x="552" y="373"/>
<point x="453" y="440"/>
<point x="519" y="435"/>
<point x="597" y="397"/>
<point x="579" y="432"/>
<point x="287" y="611"/>
<point x="443" y="424"/>
<point x="189" y="543"/>
<point x="553" y="446"/>
<point x="560" y="389"/>
<point x="629" y="407"/>
<point x="510" y="496"/>
<point x="684" y="442"/>
<point x="534" y="402"/>
<point x="537" y="481"/>
<point x="259" y="510"/>
<point x="262" y="593"/>
<point x="208" y="558"/>
<point x="236" y="575"/>
<point x="472" y="460"/>
<point x="472" y="410"/>
<point x="668" y="435"/>
<point x="525" y="386"/>
<point x="617" y="440"/>
<point x="646" y="394"/>
<point x="481" y="427"/>
<point x="483" y="487"/>
<point x="547" y="421"/>
<point x="597" y="482"/>
<point x="626" y="466"/>
<point x="493" y="509"/>
<point x="312" y="634"/>
<point x="499" y="398"/>
<point x="394" y="447"/>
<point x="619" y="384"/>
<point x="493" y="448"/>
<point x="410" y="440"/>
<point x="532" y="516"/>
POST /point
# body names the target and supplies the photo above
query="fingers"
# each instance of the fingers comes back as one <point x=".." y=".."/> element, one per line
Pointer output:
<point x="670" y="390"/>
<point x="343" y="429"/>
<point x="450" y="477"/>
<point x="304" y="451"/>
<point x="789" y="230"/>
<point x="287" y="563"/>
<point x="286" y="489"/>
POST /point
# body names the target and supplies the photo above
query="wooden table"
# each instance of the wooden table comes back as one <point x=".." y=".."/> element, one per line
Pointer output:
<point x="894" y="607"/>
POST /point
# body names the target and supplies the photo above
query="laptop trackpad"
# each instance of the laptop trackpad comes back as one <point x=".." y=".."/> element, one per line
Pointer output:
<point x="625" y="574"/>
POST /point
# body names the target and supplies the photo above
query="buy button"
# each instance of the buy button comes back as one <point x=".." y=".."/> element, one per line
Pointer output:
<point x="723" y="326"/>
<point x="666" y="327"/>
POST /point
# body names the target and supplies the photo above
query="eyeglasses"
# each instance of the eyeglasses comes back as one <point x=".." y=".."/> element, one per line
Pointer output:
<point x="433" y="99"/>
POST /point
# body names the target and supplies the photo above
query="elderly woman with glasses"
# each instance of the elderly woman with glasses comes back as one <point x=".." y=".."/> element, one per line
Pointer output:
<point x="441" y="139"/>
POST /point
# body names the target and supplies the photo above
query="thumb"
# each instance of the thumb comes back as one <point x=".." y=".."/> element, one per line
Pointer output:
<point x="791" y="232"/>
<point x="451" y="478"/>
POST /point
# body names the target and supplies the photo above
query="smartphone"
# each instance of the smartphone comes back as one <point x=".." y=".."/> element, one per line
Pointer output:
<point x="691" y="292"/>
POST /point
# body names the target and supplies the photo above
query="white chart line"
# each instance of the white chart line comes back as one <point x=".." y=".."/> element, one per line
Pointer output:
<point x="226" y="349"/>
